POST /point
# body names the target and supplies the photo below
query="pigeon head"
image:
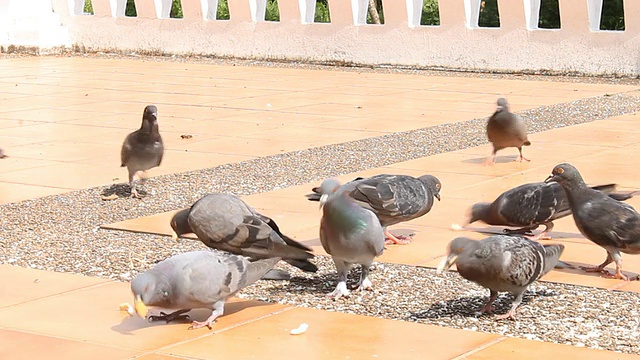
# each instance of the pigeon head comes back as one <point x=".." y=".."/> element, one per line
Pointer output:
<point x="566" y="175"/>
<point x="150" y="120"/>
<point x="432" y="183"/>
<point x="328" y="188"/>
<point x="480" y="211"/>
<point x="456" y="247"/>
<point x="149" y="289"/>
<point x="503" y="104"/>
<point x="180" y="224"/>
<point x="150" y="113"/>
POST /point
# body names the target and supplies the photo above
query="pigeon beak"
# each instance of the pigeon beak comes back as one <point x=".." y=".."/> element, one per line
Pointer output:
<point x="174" y="236"/>
<point x="446" y="263"/>
<point x="323" y="200"/>
<point x="550" y="179"/>
<point x="141" y="308"/>
<point x="438" y="196"/>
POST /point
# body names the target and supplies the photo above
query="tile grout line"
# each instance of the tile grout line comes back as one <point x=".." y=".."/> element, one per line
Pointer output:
<point x="72" y="291"/>
<point x="217" y="331"/>
<point x="480" y="348"/>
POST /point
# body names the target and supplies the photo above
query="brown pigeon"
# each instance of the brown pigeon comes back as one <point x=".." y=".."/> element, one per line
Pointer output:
<point x="506" y="129"/>
<point x="612" y="224"/>
<point x="143" y="148"/>
<point x="501" y="263"/>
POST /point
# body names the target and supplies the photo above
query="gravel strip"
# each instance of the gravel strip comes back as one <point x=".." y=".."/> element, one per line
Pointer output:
<point x="61" y="233"/>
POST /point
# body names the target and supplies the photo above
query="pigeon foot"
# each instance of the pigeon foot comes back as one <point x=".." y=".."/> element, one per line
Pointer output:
<point x="365" y="284"/>
<point x="398" y="240"/>
<point x="510" y="315"/>
<point x="340" y="291"/>
<point x="201" y="324"/>
<point x="176" y="315"/>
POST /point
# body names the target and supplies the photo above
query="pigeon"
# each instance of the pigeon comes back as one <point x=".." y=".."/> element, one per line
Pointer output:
<point x="393" y="198"/>
<point x="501" y="263"/>
<point x="506" y="129"/>
<point x="143" y="148"/>
<point x="223" y="221"/>
<point x="349" y="233"/>
<point x="531" y="205"/>
<point x="196" y="279"/>
<point x="612" y="224"/>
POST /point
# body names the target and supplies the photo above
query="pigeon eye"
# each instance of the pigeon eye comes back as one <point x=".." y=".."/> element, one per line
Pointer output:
<point x="165" y="293"/>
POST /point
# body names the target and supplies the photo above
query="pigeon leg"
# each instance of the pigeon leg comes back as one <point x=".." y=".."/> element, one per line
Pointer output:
<point x="341" y="289"/>
<point x="398" y="240"/>
<point x="218" y="310"/>
<point x="522" y="158"/>
<point x="599" y="268"/>
<point x="176" y="315"/>
<point x="491" y="159"/>
<point x="618" y="260"/>
<point x="365" y="283"/>
<point x="511" y="314"/>
<point x="132" y="184"/>
<point x="544" y="234"/>
<point x="488" y="306"/>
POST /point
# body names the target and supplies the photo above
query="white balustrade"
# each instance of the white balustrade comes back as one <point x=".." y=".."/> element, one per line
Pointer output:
<point x="457" y="43"/>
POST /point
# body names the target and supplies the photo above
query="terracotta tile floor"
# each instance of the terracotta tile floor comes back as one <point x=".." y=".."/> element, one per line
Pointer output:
<point x="62" y="121"/>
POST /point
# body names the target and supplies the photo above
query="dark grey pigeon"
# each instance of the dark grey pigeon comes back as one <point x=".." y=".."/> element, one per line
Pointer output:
<point x="506" y="129"/>
<point x="530" y="205"/>
<point x="607" y="222"/>
<point x="197" y="279"/>
<point x="501" y="263"/>
<point x="393" y="198"/>
<point x="349" y="233"/>
<point x="225" y="222"/>
<point x="143" y="148"/>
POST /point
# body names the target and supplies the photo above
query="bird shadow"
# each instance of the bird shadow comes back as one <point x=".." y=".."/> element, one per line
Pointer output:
<point x="497" y="230"/>
<point x="133" y="323"/>
<point x="120" y="191"/>
<point x="577" y="269"/>
<point x="469" y="306"/>
<point x="499" y="159"/>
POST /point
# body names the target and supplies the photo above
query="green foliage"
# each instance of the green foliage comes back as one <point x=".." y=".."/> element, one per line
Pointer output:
<point x="612" y="15"/>
<point x="322" y="12"/>
<point x="223" y="10"/>
<point x="489" y="16"/>
<point x="549" y="15"/>
<point x="88" y="7"/>
<point x="430" y="13"/>
<point x="272" y="12"/>
<point x="130" y="9"/>
<point x="176" y="10"/>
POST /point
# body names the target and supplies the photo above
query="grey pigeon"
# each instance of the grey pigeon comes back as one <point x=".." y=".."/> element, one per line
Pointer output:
<point x="349" y="233"/>
<point x="393" y="198"/>
<point x="143" y="148"/>
<point x="501" y="263"/>
<point x="506" y="129"/>
<point x="531" y="205"/>
<point x="612" y="224"/>
<point x="223" y="221"/>
<point x="197" y="279"/>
